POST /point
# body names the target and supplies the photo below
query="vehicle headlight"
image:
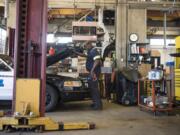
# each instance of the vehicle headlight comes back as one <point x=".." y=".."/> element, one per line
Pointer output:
<point x="72" y="84"/>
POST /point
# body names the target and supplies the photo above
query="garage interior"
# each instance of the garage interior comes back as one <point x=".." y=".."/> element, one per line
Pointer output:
<point x="45" y="82"/>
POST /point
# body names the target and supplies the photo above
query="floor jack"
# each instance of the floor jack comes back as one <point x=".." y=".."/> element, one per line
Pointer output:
<point x="26" y="114"/>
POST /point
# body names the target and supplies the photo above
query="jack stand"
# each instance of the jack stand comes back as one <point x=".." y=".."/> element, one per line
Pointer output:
<point x="26" y="114"/>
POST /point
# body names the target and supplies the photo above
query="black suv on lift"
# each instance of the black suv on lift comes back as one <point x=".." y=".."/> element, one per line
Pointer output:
<point x="56" y="91"/>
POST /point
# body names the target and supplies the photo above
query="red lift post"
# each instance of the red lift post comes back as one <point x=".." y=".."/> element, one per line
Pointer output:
<point x="30" y="44"/>
<point x="30" y="72"/>
<point x="11" y="40"/>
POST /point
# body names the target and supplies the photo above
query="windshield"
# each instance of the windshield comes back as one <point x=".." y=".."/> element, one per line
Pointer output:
<point x="8" y="60"/>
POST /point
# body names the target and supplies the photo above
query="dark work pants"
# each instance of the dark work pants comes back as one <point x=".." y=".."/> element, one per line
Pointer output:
<point x="94" y="89"/>
<point x="108" y="86"/>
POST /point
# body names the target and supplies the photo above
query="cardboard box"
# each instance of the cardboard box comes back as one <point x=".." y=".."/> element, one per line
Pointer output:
<point x="155" y="53"/>
<point x="82" y="69"/>
<point x="144" y="69"/>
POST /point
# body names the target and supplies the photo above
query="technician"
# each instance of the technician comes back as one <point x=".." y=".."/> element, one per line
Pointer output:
<point x="93" y="66"/>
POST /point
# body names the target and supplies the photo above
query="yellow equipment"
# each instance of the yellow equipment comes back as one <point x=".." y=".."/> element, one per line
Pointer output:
<point x="27" y="114"/>
<point x="177" y="70"/>
<point x="1" y="113"/>
<point x="66" y="12"/>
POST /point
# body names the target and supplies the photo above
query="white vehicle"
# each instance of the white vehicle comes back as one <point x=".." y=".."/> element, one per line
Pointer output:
<point x="56" y="91"/>
<point x="6" y="78"/>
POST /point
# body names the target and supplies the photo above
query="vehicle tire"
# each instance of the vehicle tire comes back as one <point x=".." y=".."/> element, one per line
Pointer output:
<point x="51" y="98"/>
<point x="126" y="101"/>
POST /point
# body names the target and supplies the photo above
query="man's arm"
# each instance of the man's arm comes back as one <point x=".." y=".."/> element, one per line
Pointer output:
<point x="80" y="54"/>
<point x="97" y="62"/>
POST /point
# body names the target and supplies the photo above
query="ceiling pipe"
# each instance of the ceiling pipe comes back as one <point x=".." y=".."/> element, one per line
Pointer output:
<point x="6" y="8"/>
<point x="165" y="29"/>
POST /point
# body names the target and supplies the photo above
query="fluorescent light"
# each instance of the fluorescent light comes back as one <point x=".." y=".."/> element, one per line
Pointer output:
<point x="161" y="42"/>
<point x="50" y="38"/>
<point x="64" y="39"/>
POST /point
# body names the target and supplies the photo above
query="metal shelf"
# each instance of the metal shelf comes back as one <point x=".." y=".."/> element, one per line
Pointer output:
<point x="139" y="54"/>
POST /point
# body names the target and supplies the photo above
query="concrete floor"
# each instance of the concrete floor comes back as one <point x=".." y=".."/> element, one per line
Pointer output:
<point x="113" y="120"/>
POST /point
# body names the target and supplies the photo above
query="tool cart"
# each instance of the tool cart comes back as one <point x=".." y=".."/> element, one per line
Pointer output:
<point x="154" y="94"/>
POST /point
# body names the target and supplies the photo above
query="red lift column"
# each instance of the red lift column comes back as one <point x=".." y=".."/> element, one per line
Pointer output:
<point x="30" y="44"/>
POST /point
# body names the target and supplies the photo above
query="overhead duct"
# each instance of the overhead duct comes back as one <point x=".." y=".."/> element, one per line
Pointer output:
<point x="6" y="8"/>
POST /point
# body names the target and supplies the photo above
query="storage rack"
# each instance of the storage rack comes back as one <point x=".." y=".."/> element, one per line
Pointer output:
<point x="135" y="51"/>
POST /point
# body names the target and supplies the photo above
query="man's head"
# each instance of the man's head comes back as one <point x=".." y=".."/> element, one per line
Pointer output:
<point x="88" y="45"/>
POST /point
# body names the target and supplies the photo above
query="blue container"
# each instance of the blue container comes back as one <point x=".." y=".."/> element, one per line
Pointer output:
<point x="170" y="64"/>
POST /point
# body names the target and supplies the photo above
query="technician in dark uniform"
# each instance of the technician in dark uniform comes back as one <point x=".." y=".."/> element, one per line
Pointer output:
<point x="93" y="66"/>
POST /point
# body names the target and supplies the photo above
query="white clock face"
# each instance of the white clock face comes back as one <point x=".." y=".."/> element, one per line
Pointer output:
<point x="133" y="37"/>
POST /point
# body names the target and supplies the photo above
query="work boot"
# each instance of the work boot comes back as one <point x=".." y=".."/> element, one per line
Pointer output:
<point x="92" y="105"/>
<point x="95" y="107"/>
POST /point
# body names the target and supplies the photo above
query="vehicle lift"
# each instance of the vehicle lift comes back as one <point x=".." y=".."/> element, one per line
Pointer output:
<point x="28" y="105"/>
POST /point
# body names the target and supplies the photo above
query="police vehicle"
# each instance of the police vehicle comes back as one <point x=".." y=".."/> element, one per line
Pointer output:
<point x="59" y="89"/>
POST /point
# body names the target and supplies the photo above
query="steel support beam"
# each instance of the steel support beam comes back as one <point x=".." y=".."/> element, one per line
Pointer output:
<point x="156" y="5"/>
<point x="121" y="34"/>
<point x="152" y="23"/>
<point x="30" y="43"/>
<point x="110" y="4"/>
<point x="137" y="23"/>
<point x="165" y="29"/>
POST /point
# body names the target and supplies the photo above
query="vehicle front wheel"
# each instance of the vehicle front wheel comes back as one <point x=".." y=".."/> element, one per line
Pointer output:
<point x="51" y="98"/>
